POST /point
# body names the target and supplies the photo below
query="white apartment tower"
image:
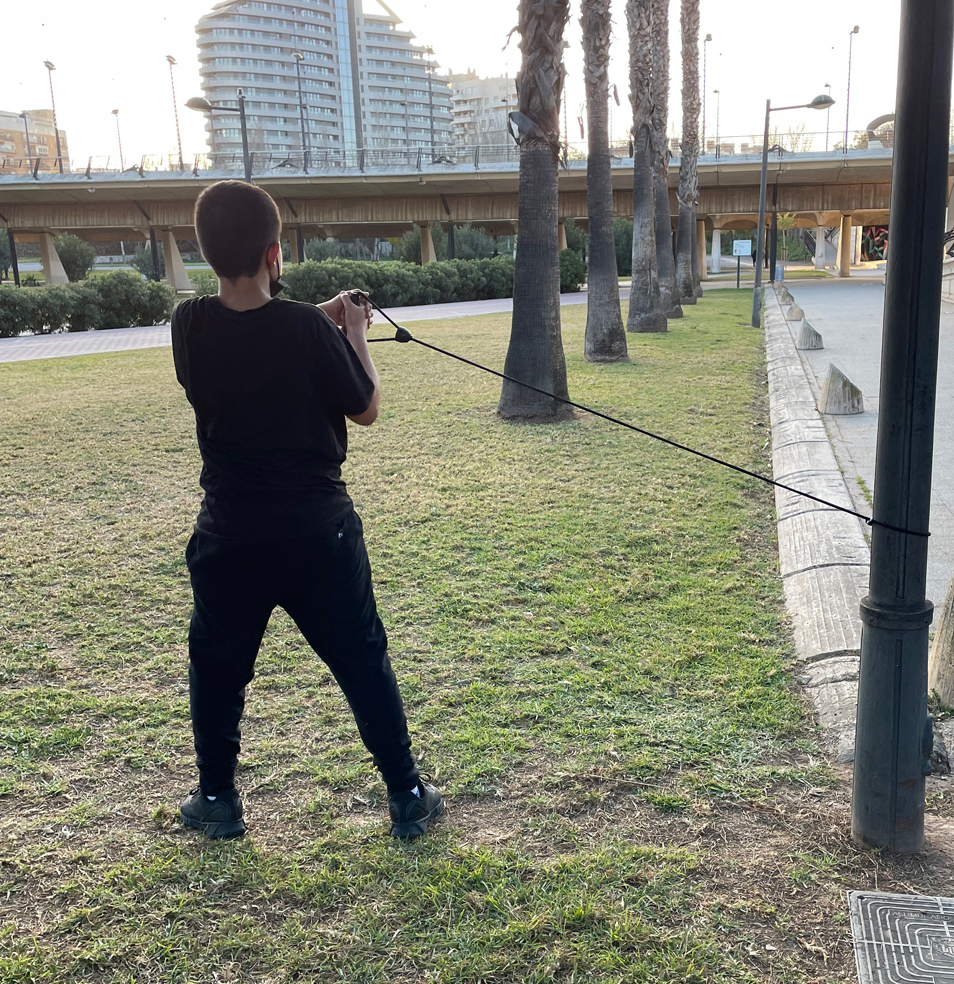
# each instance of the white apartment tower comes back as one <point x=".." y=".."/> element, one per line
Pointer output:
<point x="480" y="109"/>
<point x="364" y="83"/>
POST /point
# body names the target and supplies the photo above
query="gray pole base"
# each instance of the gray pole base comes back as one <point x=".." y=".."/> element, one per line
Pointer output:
<point x="892" y="762"/>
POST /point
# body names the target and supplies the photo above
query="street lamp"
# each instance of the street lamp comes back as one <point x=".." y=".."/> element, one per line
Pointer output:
<point x="175" y="109"/>
<point x="299" y="58"/>
<point x="430" y="92"/>
<point x="827" y="117"/>
<point x="26" y="129"/>
<point x="851" y="37"/>
<point x="705" y="41"/>
<point x="201" y="105"/>
<point x="51" y="68"/>
<point x="122" y="163"/>
<point x="718" y="96"/>
<point x="819" y="102"/>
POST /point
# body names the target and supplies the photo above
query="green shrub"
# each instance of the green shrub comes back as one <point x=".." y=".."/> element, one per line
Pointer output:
<point x="76" y="255"/>
<point x="204" y="283"/>
<point x="572" y="271"/>
<point x="115" y="300"/>
<point x="141" y="260"/>
<point x="393" y="284"/>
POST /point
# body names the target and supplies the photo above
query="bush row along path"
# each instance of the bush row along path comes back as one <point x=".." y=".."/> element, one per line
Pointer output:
<point x="125" y="339"/>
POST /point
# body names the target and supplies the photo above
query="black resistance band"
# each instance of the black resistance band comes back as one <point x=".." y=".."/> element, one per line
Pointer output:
<point x="403" y="335"/>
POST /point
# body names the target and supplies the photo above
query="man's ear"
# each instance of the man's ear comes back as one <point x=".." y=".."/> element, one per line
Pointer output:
<point x="272" y="254"/>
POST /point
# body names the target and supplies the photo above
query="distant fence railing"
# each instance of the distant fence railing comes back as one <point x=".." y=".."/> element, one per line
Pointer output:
<point x="792" y="143"/>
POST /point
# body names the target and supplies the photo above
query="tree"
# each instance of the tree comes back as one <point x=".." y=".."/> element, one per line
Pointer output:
<point x="645" y="303"/>
<point x="76" y="255"/>
<point x="688" y="173"/>
<point x="665" y="259"/>
<point x="605" y="339"/>
<point x="141" y="260"/>
<point x="535" y="353"/>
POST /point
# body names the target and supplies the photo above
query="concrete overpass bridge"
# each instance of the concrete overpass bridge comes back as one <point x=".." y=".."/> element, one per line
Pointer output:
<point x="387" y="196"/>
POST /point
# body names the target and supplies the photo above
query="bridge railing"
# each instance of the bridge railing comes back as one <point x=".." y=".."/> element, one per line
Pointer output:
<point x="736" y="148"/>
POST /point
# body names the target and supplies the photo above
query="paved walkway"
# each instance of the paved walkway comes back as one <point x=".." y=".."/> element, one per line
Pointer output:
<point x="849" y="316"/>
<point x="124" y="339"/>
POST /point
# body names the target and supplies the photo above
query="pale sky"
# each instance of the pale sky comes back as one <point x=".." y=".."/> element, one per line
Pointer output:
<point x="113" y="57"/>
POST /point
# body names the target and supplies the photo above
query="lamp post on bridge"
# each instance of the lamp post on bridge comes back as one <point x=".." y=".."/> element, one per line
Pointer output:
<point x="299" y="57"/>
<point x="851" y="37"/>
<point x="705" y="41"/>
<point x="201" y="105"/>
<point x="26" y="130"/>
<point x="175" y="109"/>
<point x="51" y="68"/>
<point x="819" y="102"/>
<point x="718" y="96"/>
<point x="119" y="139"/>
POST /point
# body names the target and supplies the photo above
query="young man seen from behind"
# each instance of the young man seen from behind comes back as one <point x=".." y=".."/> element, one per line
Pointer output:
<point x="271" y="382"/>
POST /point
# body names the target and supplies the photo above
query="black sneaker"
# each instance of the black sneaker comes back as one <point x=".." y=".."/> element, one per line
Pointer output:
<point x="218" y="818"/>
<point x="411" y="815"/>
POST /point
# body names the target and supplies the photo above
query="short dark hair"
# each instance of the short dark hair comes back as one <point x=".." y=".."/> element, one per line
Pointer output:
<point x="235" y="223"/>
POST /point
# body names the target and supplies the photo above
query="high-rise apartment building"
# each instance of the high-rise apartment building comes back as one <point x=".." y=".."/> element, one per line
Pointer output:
<point x="364" y="83"/>
<point x="13" y="140"/>
<point x="480" y="109"/>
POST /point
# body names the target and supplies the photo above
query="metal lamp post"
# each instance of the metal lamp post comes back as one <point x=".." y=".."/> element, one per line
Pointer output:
<point x="201" y="105"/>
<point x="851" y="37"/>
<point x="718" y="96"/>
<point x="819" y="102"/>
<point x="119" y="139"/>
<point x="827" y="118"/>
<point x="430" y="92"/>
<point x="26" y="130"/>
<point x="175" y="109"/>
<point x="893" y="734"/>
<point x="705" y="41"/>
<point x="299" y="58"/>
<point x="51" y="68"/>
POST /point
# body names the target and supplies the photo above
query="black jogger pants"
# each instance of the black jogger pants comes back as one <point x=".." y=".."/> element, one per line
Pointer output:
<point x="323" y="581"/>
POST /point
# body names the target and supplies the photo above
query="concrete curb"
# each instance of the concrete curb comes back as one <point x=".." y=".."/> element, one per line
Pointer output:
<point x="823" y="554"/>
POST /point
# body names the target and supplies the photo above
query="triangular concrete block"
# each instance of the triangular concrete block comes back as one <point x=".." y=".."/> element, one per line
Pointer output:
<point x="808" y="338"/>
<point x="839" y="395"/>
<point x="793" y="312"/>
<point x="784" y="295"/>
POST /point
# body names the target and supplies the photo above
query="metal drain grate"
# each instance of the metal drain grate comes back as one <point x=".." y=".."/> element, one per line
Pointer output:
<point x="902" y="938"/>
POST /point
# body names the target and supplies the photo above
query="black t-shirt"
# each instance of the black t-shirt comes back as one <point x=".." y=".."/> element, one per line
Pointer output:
<point x="270" y="388"/>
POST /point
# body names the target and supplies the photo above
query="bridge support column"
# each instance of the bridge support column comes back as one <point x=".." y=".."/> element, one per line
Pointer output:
<point x="820" y="247"/>
<point x="561" y="235"/>
<point x="53" y="272"/>
<point x="844" y="247"/>
<point x="294" y="246"/>
<point x="701" y="248"/>
<point x="176" y="275"/>
<point x="715" y="265"/>
<point x="427" y="244"/>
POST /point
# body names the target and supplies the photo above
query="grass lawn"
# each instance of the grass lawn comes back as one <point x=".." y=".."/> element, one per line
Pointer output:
<point x="589" y="632"/>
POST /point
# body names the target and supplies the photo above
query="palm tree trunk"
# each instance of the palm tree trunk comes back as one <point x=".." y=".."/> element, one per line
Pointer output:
<point x="605" y="339"/>
<point x="645" y="303"/>
<point x="665" y="260"/>
<point x="535" y="353"/>
<point x="688" y="174"/>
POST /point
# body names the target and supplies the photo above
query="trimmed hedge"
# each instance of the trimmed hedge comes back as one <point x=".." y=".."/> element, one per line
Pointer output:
<point x="114" y="300"/>
<point x="393" y="284"/>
